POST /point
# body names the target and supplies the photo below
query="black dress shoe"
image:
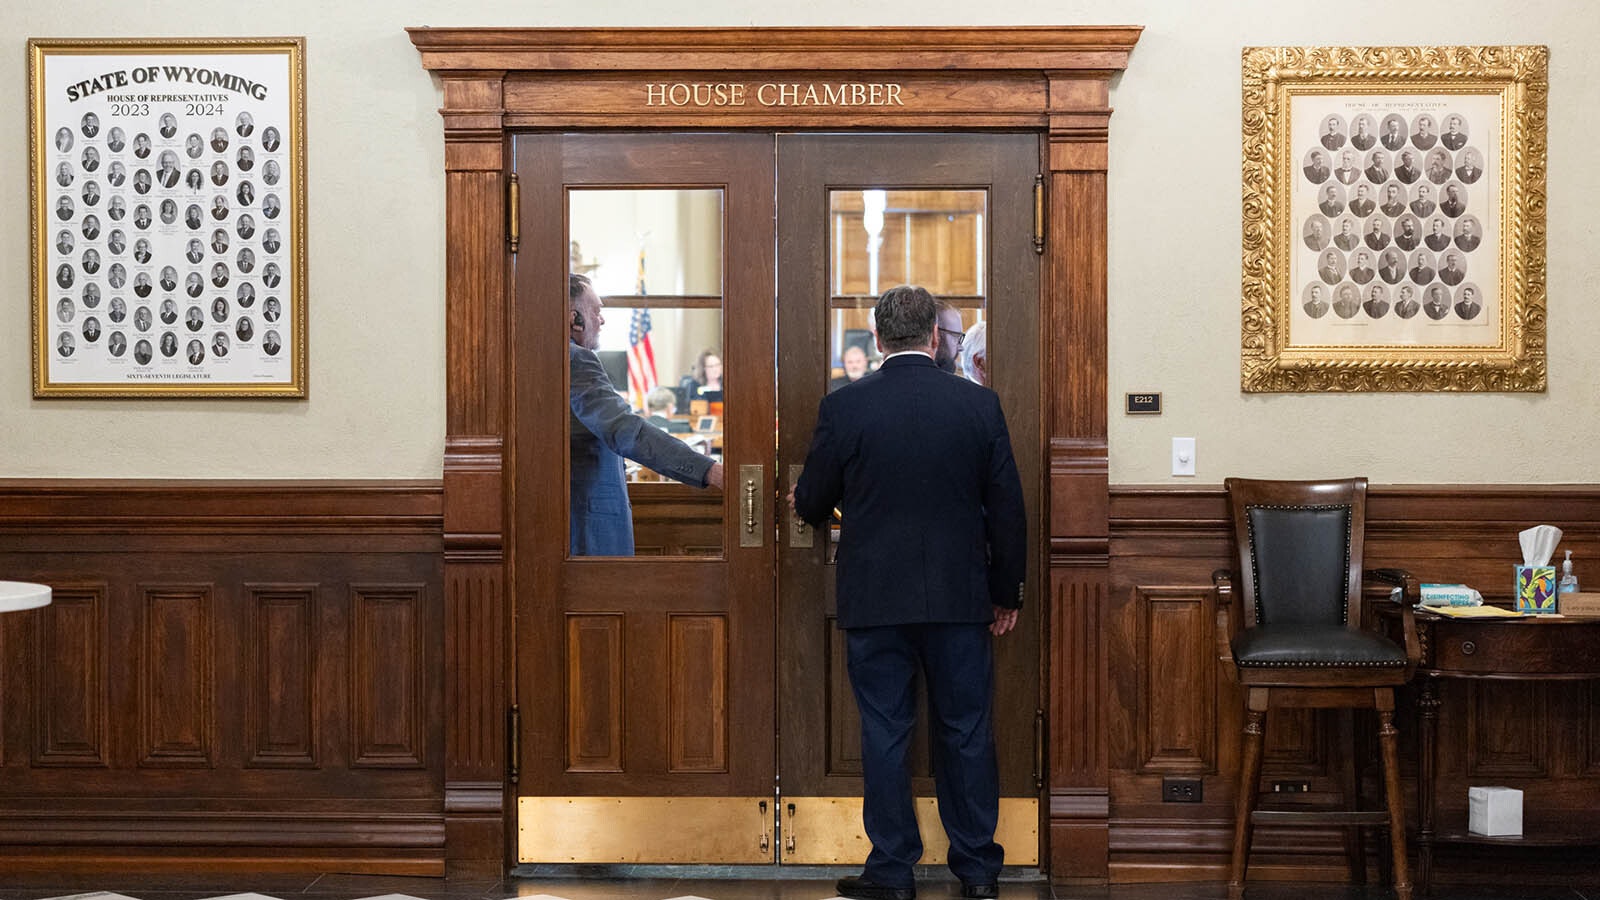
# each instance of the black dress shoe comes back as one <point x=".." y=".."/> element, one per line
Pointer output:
<point x="864" y="888"/>
<point x="980" y="890"/>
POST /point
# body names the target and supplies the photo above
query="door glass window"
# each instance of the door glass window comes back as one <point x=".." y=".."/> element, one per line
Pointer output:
<point x="879" y="238"/>
<point x="655" y="260"/>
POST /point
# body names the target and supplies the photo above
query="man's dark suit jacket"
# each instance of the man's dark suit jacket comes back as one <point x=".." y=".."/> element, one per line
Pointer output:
<point x="603" y="430"/>
<point x="919" y="463"/>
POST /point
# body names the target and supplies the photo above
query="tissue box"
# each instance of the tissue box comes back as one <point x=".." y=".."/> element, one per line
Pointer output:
<point x="1536" y="589"/>
<point x="1494" y="811"/>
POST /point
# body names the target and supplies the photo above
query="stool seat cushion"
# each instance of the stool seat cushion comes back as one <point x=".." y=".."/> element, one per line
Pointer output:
<point x="1314" y="646"/>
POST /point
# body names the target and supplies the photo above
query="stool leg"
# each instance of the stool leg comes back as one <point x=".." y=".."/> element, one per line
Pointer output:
<point x="1249" y="785"/>
<point x="1384" y="700"/>
<point x="1350" y="773"/>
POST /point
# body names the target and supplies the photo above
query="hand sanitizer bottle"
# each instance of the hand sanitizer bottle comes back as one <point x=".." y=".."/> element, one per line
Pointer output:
<point x="1569" y="581"/>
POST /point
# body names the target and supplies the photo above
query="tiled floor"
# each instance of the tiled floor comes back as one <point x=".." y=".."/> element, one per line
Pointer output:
<point x="667" y="883"/>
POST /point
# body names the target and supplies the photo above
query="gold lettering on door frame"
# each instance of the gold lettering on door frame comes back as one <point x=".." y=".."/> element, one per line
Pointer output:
<point x="738" y="93"/>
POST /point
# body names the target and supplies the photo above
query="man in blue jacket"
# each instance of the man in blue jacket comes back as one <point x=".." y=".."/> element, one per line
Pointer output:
<point x="932" y="555"/>
<point x="603" y="430"/>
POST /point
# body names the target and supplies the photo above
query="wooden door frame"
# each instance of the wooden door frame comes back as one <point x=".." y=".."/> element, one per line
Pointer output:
<point x="1052" y="80"/>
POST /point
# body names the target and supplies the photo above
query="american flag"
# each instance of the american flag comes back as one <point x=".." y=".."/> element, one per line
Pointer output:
<point x="641" y="358"/>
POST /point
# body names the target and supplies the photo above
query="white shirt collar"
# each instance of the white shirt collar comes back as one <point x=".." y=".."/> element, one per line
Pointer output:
<point x="906" y="353"/>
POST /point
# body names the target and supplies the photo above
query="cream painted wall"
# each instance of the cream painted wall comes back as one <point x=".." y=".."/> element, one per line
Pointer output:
<point x="376" y="215"/>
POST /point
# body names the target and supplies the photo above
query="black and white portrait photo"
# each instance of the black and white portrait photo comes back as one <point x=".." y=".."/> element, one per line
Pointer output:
<point x="182" y="170"/>
<point x="1382" y="203"/>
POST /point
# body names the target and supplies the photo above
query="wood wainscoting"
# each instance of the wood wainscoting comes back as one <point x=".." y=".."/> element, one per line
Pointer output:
<point x="233" y="675"/>
<point x="1176" y="712"/>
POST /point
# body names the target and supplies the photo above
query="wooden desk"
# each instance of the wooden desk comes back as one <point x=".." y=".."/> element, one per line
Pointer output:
<point x="1531" y="648"/>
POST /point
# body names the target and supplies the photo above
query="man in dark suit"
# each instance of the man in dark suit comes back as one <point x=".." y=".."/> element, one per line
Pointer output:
<point x="1453" y="136"/>
<point x="1393" y="268"/>
<point x="1362" y="205"/>
<point x="1422" y="268"/>
<point x="1424" y="138"/>
<point x="1377" y="304"/>
<point x="1438" y="238"/>
<point x="931" y="562"/>
<point x="1423" y="206"/>
<point x="1361" y="271"/>
<point x="1393" y="202"/>
<point x="1317" y="170"/>
<point x="1407" y="305"/>
<point x="1376" y="237"/>
<point x="1315" y="306"/>
<point x="1453" y="206"/>
<point x="1394" y="137"/>
<point x="1347" y="239"/>
<point x="1407" y="238"/>
<point x="1331" y="137"/>
<point x="1469" y="307"/>
<point x="603" y="430"/>
<point x="1331" y="205"/>
<point x="1469" y="170"/>
<point x="1452" y="273"/>
<point x="1332" y="268"/>
<point x="1346" y="304"/>
<point x="1363" y="139"/>
<point x="1378" y="167"/>
<point x="1467" y="237"/>
<point x="1347" y="172"/>
<point x="1407" y="170"/>
<point x="1438" y="305"/>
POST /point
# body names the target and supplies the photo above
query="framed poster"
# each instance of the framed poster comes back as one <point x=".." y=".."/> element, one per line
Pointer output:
<point x="1394" y="219"/>
<point x="167" y="194"/>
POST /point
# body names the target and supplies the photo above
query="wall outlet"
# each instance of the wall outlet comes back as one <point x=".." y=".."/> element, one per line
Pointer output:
<point x="1291" y="787"/>
<point x="1181" y="790"/>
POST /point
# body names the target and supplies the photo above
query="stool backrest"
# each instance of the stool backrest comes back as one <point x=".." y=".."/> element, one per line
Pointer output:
<point x="1300" y="550"/>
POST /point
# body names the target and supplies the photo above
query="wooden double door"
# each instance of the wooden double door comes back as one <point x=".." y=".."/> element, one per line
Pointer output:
<point x="689" y="703"/>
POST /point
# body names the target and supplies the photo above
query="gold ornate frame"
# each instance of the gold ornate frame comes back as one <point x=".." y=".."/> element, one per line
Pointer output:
<point x="244" y="94"/>
<point x="1506" y="350"/>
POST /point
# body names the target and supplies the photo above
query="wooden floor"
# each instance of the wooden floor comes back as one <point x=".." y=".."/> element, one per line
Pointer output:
<point x="660" y="884"/>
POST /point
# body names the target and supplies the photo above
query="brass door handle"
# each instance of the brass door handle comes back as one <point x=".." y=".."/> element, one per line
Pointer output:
<point x="801" y="535"/>
<point x="751" y="480"/>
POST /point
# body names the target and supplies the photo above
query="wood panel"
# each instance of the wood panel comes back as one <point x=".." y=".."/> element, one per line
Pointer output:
<point x="388" y="675"/>
<point x="177" y="662"/>
<point x="1508" y="725"/>
<point x="595" y="678"/>
<point x="1164" y="543"/>
<point x="191" y="699"/>
<point x="71" y="695"/>
<point x="1177" y="639"/>
<point x="281" y="728"/>
<point x="697" y="693"/>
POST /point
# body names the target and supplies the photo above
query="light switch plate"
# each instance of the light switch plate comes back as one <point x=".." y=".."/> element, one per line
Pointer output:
<point x="1183" y="456"/>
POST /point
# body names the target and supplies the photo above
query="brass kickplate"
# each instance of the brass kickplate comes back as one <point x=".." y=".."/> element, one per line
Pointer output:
<point x="827" y="831"/>
<point x="644" y="829"/>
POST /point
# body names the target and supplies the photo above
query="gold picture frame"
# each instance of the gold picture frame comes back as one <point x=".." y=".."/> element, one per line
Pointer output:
<point x="1334" y="197"/>
<point x="168" y="217"/>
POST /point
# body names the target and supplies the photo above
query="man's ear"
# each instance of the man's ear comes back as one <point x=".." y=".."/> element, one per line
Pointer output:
<point x="879" y="341"/>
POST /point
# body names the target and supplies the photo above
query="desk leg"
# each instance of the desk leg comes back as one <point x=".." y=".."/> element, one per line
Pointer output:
<point x="1427" y="773"/>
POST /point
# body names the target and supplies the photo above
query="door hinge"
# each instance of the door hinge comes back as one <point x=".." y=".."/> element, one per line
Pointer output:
<point x="513" y="202"/>
<point x="514" y="743"/>
<point x="1038" y="750"/>
<point x="1039" y="213"/>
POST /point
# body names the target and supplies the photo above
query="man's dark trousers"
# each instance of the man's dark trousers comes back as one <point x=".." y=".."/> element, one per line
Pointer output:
<point x="956" y="662"/>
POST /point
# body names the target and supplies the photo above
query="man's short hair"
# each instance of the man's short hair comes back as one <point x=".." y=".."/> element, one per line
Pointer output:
<point x="660" y="400"/>
<point x="906" y="317"/>
<point x="576" y="285"/>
